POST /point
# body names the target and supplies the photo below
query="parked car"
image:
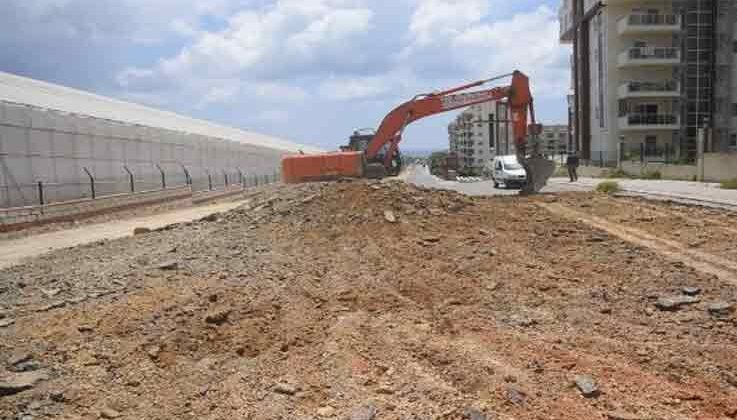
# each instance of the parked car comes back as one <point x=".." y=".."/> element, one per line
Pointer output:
<point x="508" y="173"/>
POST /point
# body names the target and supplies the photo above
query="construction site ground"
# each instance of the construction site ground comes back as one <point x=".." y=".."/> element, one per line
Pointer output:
<point x="365" y="300"/>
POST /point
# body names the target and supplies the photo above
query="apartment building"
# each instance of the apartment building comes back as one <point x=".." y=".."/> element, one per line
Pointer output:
<point x="648" y="74"/>
<point x="478" y="134"/>
<point x="554" y="140"/>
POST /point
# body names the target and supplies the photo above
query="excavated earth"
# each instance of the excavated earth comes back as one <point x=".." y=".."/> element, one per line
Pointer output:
<point x="363" y="300"/>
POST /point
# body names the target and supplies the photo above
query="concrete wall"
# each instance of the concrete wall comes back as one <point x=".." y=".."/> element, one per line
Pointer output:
<point x="682" y="172"/>
<point x="54" y="147"/>
<point x="720" y="166"/>
<point x="717" y="167"/>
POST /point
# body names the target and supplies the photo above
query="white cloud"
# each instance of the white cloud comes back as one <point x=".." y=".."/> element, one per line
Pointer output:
<point x="467" y="44"/>
<point x="435" y="19"/>
<point x="349" y="88"/>
<point x="290" y="36"/>
<point x="279" y="92"/>
<point x="273" y="116"/>
<point x="527" y="41"/>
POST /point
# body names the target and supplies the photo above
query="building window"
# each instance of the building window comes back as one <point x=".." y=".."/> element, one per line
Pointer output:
<point x="734" y="109"/>
<point x="733" y="140"/>
<point x="734" y="46"/>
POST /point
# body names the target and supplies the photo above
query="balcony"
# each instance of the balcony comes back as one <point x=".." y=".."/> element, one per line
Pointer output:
<point x="649" y="56"/>
<point x="649" y="23"/>
<point x="649" y="122"/>
<point x="666" y="89"/>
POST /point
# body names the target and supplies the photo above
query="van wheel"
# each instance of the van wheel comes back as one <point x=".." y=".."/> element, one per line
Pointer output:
<point x="496" y="184"/>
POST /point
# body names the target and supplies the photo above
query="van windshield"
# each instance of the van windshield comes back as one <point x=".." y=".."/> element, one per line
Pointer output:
<point x="512" y="165"/>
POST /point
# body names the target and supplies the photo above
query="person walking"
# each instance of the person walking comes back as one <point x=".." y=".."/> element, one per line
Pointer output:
<point x="572" y="163"/>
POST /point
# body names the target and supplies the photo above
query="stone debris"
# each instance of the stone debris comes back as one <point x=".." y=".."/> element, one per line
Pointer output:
<point x="141" y="231"/>
<point x="109" y="413"/>
<point x="721" y="309"/>
<point x="218" y="317"/>
<point x="675" y="303"/>
<point x="587" y="386"/>
<point x="168" y="265"/>
<point x="622" y="415"/>
<point x="19" y="382"/>
<point x="691" y="291"/>
<point x="366" y="412"/>
<point x="474" y="414"/>
<point x="326" y="411"/>
<point x="389" y="216"/>
<point x="285" y="389"/>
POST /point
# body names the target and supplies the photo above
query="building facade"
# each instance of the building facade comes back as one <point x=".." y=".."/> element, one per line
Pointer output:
<point x="554" y="140"/>
<point x="648" y="74"/>
<point x="478" y="134"/>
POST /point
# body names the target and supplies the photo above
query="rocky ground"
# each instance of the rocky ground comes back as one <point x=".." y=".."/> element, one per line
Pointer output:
<point x="384" y="301"/>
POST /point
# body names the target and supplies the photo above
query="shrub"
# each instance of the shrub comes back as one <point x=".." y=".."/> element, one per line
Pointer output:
<point x="560" y="172"/>
<point x="608" y="187"/>
<point x="617" y="173"/>
<point x="652" y="175"/>
<point x="730" y="185"/>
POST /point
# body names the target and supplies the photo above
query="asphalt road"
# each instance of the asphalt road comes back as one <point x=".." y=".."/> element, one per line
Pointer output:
<point x="420" y="175"/>
<point x="700" y="193"/>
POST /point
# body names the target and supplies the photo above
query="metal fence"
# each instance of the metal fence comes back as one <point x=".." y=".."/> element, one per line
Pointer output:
<point x="50" y="156"/>
<point x="94" y="187"/>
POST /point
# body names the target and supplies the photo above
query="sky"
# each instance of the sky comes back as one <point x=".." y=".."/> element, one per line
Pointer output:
<point x="309" y="71"/>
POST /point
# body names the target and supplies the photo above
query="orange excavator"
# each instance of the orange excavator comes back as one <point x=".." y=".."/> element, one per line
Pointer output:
<point x="377" y="155"/>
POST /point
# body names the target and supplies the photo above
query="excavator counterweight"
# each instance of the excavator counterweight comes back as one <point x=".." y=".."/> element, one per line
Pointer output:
<point x="377" y="155"/>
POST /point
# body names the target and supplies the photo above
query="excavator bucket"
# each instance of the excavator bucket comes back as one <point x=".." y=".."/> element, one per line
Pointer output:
<point x="539" y="170"/>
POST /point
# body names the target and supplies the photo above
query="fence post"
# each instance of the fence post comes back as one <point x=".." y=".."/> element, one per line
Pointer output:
<point x="92" y="183"/>
<point x="131" y="179"/>
<point x="225" y="176"/>
<point x="187" y="176"/>
<point x="642" y="153"/>
<point x="209" y="180"/>
<point x="163" y="176"/>
<point x="41" y="200"/>
<point x="240" y="177"/>
<point x="255" y="177"/>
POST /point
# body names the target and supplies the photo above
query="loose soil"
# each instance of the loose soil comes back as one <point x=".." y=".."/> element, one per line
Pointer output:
<point x="365" y="300"/>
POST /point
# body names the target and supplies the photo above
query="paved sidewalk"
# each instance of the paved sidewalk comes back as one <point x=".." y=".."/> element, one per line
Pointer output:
<point x="676" y="190"/>
<point x="682" y="191"/>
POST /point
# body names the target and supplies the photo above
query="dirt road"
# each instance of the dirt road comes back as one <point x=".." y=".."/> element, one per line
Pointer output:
<point x="13" y="251"/>
<point x="382" y="301"/>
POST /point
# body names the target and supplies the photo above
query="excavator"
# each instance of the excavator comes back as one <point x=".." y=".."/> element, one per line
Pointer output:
<point x="376" y="155"/>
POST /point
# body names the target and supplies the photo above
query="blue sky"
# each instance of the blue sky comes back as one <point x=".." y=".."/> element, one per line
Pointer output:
<point x="310" y="71"/>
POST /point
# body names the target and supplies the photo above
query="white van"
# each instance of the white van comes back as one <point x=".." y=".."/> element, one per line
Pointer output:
<point x="507" y="172"/>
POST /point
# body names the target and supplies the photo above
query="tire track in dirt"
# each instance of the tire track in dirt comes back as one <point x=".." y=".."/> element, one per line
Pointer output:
<point x="652" y="210"/>
<point x="707" y="263"/>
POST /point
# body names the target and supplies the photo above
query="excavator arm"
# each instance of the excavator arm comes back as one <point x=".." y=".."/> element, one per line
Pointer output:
<point x="385" y="143"/>
<point x="391" y="128"/>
